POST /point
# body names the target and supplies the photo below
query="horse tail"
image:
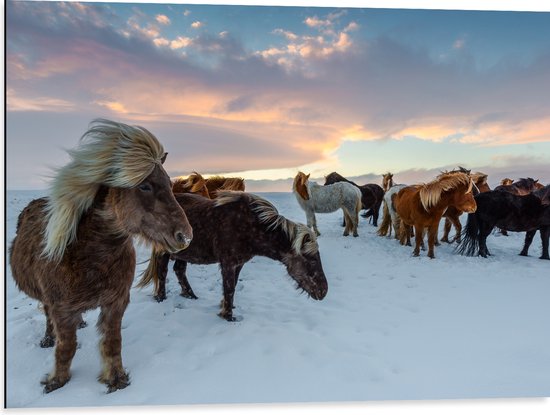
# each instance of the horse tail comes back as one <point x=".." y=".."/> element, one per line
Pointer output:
<point x="470" y="242"/>
<point x="151" y="272"/>
<point x="385" y="226"/>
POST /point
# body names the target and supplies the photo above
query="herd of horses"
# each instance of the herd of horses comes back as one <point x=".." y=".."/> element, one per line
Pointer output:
<point x="74" y="250"/>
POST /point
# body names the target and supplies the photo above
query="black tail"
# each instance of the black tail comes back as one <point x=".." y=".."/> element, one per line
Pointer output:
<point x="470" y="237"/>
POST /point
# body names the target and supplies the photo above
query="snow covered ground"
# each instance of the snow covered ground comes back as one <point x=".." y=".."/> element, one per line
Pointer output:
<point x="392" y="327"/>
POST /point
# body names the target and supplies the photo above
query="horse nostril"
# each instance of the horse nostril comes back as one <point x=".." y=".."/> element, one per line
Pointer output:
<point x="182" y="239"/>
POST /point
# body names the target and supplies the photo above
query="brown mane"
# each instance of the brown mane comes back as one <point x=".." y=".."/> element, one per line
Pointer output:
<point x="430" y="193"/>
<point x="300" y="185"/>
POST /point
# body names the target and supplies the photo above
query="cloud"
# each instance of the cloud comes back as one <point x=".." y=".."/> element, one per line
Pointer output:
<point x="299" y="99"/>
<point x="316" y="22"/>
<point x="187" y="13"/>
<point x="197" y="24"/>
<point x="162" y="19"/>
<point x="180" y="42"/>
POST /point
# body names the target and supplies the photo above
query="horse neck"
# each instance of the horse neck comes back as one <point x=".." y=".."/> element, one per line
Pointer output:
<point x="100" y="222"/>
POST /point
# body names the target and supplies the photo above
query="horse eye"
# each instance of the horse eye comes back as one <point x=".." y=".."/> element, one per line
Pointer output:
<point x="145" y="187"/>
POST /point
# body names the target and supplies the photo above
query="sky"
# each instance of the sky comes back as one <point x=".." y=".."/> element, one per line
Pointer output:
<point x="262" y="92"/>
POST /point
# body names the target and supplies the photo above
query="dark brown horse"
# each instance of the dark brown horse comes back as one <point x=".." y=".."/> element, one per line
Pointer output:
<point x="527" y="213"/>
<point x="230" y="231"/>
<point x="196" y="184"/>
<point x="73" y="251"/>
<point x="452" y="214"/>
<point x="371" y="195"/>
<point x="422" y="206"/>
<point x="520" y="187"/>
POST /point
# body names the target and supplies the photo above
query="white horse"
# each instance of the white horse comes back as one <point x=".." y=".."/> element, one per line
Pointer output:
<point x="390" y="217"/>
<point x="313" y="197"/>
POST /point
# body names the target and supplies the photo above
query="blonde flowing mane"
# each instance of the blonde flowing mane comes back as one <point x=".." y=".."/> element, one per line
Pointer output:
<point x="109" y="153"/>
<point x="430" y="193"/>
<point x="269" y="215"/>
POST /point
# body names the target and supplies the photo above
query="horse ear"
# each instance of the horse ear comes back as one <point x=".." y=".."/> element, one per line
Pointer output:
<point x="307" y="177"/>
<point x="163" y="159"/>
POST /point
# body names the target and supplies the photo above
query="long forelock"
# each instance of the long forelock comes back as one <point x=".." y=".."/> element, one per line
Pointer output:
<point x="430" y="193"/>
<point x="109" y="153"/>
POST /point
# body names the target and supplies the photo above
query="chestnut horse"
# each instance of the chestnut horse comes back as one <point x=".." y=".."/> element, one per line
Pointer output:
<point x="422" y="206"/>
<point x="194" y="183"/>
<point x="231" y="230"/>
<point x="73" y="250"/>
<point x="215" y="183"/>
<point x="371" y="195"/>
<point x="452" y="215"/>
<point x="326" y="199"/>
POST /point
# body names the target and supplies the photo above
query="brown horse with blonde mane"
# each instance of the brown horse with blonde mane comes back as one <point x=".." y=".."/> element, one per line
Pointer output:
<point x="215" y="183"/>
<point x="422" y="206"/>
<point x="452" y="215"/>
<point x="74" y="251"/>
<point x="194" y="183"/>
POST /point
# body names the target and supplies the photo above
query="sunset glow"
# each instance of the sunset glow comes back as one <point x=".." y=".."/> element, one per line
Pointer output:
<point x="275" y="89"/>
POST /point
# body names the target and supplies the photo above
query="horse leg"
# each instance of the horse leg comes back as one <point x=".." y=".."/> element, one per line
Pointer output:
<point x="162" y="272"/>
<point x="458" y="229"/>
<point x="180" y="268"/>
<point x="312" y="222"/>
<point x="355" y="218"/>
<point x="347" y="219"/>
<point x="49" y="336"/>
<point x="432" y="238"/>
<point x="376" y="212"/>
<point x="229" y="277"/>
<point x="544" y="236"/>
<point x="484" y="231"/>
<point x="109" y="325"/>
<point x="528" y="239"/>
<point x="446" y="230"/>
<point x="64" y="324"/>
<point x="419" y="236"/>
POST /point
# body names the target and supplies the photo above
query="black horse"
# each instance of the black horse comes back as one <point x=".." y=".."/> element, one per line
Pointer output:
<point x="527" y="213"/>
<point x="371" y="195"/>
<point x="230" y="231"/>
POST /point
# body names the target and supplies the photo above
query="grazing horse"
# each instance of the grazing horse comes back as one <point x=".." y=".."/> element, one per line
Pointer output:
<point x="73" y="250"/>
<point x="422" y="206"/>
<point x="215" y="183"/>
<point x="371" y="195"/>
<point x="314" y="198"/>
<point x="452" y="214"/>
<point x="511" y="212"/>
<point x="195" y="183"/>
<point x="231" y="230"/>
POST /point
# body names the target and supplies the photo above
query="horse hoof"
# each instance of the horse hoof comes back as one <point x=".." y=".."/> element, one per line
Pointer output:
<point x="159" y="298"/>
<point x="189" y="294"/>
<point x="523" y="253"/>
<point x="119" y="381"/>
<point x="346" y="233"/>
<point x="545" y="257"/>
<point x="54" y="383"/>
<point x="47" y="341"/>
<point x="355" y="234"/>
<point x="227" y="316"/>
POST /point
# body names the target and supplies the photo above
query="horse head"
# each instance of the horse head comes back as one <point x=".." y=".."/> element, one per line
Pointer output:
<point x="300" y="185"/>
<point x="303" y="263"/>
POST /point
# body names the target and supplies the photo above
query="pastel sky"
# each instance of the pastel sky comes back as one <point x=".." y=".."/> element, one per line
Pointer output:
<point x="261" y="92"/>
